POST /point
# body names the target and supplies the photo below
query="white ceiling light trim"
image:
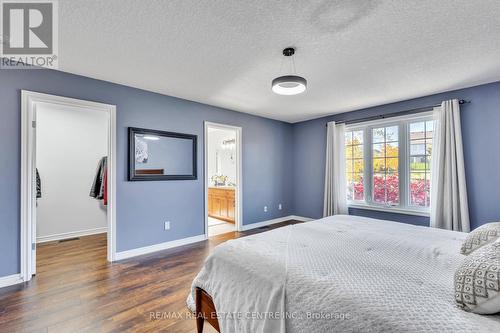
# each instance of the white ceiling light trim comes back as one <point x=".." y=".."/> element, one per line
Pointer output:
<point x="289" y="85"/>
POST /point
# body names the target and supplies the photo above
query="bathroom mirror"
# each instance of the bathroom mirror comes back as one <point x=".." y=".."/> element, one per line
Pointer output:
<point x="159" y="155"/>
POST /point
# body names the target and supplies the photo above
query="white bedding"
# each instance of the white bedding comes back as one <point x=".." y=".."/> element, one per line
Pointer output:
<point x="340" y="274"/>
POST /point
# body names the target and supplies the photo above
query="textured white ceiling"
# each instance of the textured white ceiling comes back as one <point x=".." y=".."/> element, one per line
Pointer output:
<point x="354" y="53"/>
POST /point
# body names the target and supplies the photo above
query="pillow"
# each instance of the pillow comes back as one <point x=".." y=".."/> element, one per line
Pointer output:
<point x="477" y="281"/>
<point x="485" y="234"/>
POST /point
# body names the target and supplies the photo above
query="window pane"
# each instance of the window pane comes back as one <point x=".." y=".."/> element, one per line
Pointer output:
<point x="429" y="127"/>
<point x="428" y="146"/>
<point x="355" y="188"/>
<point x="349" y="177"/>
<point x="392" y="188"/>
<point x="418" y="189"/>
<point x="385" y="165"/>
<point x="348" y="138"/>
<point x="378" y="180"/>
<point x="357" y="151"/>
<point x="417" y="147"/>
<point x="421" y="134"/>
<point x="392" y="149"/>
<point x="386" y="189"/>
<point x="357" y="137"/>
<point x="417" y="130"/>
<point x="354" y="165"/>
<point x="378" y="150"/>
<point x="391" y="164"/>
<point x="350" y="187"/>
<point x="348" y="152"/>
<point x="348" y="165"/>
<point x="428" y="189"/>
<point x="378" y="135"/>
<point x="379" y="195"/>
<point x="379" y="188"/>
<point x="378" y="165"/>
<point x="391" y="133"/>
<point x="358" y="188"/>
<point x="417" y="175"/>
<point x="417" y="163"/>
<point x="358" y="166"/>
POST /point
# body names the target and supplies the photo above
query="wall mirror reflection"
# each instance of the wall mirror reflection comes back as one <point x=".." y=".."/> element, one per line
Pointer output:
<point x="159" y="155"/>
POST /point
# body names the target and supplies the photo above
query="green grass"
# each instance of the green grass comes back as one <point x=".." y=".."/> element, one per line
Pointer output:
<point x="417" y="167"/>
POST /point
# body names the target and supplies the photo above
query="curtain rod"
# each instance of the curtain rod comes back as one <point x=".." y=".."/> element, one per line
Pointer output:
<point x="396" y="114"/>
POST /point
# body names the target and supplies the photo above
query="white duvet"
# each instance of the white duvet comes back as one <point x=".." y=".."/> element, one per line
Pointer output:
<point x="339" y="274"/>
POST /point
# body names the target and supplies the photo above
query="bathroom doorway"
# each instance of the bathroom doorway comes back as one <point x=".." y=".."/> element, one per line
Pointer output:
<point x="222" y="179"/>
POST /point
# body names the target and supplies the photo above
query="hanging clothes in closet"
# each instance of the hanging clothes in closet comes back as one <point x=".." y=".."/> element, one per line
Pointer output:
<point x="38" y="185"/>
<point x="105" y="188"/>
<point x="99" y="186"/>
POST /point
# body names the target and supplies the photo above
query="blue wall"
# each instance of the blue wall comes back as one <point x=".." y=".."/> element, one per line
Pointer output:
<point x="481" y="137"/>
<point x="143" y="206"/>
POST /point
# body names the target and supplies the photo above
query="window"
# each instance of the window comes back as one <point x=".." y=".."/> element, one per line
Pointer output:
<point x="388" y="163"/>
<point x="385" y="162"/>
<point x="420" y="135"/>
<point x="354" y="165"/>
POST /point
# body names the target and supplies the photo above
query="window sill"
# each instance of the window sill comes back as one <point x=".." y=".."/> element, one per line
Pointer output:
<point x="395" y="210"/>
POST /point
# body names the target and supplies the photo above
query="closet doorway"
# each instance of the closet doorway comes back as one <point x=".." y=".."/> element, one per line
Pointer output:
<point x="68" y="182"/>
<point x="223" y="181"/>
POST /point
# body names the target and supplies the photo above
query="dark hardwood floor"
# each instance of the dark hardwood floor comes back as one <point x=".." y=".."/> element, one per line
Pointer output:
<point x="77" y="290"/>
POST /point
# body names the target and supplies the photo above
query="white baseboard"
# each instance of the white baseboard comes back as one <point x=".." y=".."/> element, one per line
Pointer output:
<point x="185" y="241"/>
<point x="73" y="234"/>
<point x="300" y="218"/>
<point x="158" y="247"/>
<point x="10" y="280"/>
<point x="273" y="221"/>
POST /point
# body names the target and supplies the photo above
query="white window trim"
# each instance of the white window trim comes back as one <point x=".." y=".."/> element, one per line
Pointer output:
<point x="389" y="209"/>
<point x="404" y="166"/>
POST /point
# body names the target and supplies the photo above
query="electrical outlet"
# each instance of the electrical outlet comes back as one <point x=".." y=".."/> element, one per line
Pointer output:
<point x="280" y="207"/>
<point x="167" y="225"/>
<point x="265" y="208"/>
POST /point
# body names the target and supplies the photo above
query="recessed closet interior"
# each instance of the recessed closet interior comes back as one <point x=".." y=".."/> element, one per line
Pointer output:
<point x="71" y="155"/>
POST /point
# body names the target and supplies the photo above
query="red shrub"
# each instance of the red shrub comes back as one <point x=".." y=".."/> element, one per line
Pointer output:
<point x="419" y="190"/>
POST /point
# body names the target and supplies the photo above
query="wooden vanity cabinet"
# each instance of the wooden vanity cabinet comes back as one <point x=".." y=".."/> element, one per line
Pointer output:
<point x="221" y="203"/>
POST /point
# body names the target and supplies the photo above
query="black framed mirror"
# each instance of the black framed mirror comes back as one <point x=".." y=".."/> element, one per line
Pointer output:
<point x="160" y="155"/>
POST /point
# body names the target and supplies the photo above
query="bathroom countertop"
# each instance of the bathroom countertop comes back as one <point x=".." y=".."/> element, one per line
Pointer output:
<point x="223" y="187"/>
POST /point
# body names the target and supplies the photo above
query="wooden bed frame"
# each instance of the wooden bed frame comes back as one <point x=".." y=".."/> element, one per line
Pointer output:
<point x="205" y="310"/>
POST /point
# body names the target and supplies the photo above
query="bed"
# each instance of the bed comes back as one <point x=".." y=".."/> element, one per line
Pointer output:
<point x="336" y="274"/>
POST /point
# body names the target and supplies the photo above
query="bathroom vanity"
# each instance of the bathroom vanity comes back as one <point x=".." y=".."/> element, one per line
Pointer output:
<point x="221" y="203"/>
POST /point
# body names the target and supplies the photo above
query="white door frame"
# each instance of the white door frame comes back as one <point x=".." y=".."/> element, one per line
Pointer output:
<point x="29" y="102"/>
<point x="239" y="173"/>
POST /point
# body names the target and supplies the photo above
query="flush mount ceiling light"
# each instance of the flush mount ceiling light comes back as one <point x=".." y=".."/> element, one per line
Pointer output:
<point x="289" y="84"/>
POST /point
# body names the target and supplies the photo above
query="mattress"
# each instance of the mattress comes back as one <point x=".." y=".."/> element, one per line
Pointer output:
<point x="339" y="274"/>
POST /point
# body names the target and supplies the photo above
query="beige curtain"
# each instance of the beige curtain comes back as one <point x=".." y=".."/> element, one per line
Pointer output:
<point x="335" y="200"/>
